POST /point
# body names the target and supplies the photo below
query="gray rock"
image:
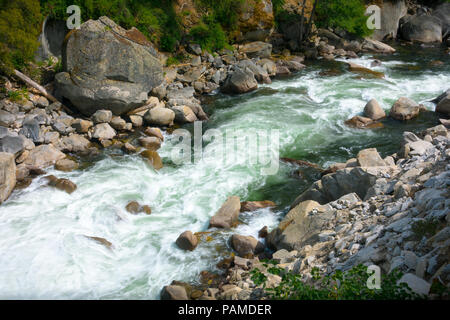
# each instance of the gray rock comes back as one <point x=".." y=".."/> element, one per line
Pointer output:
<point x="7" y="119"/>
<point x="416" y="284"/>
<point x="103" y="131"/>
<point x="31" y="130"/>
<point x="370" y="158"/>
<point x="120" y="80"/>
<point x="12" y="144"/>
<point x="102" y="116"/>
<point x="7" y="175"/>
<point x="240" y="81"/>
<point x="421" y="28"/>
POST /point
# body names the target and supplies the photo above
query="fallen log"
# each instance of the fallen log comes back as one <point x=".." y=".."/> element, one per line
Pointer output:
<point x="40" y="88"/>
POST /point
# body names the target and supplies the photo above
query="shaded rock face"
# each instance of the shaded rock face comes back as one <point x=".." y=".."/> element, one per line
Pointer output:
<point x="421" y="28"/>
<point x="391" y="13"/>
<point x="7" y="175"/>
<point x="174" y="292"/>
<point x="107" y="67"/>
<point x="443" y="105"/>
<point x="442" y="12"/>
<point x="51" y="39"/>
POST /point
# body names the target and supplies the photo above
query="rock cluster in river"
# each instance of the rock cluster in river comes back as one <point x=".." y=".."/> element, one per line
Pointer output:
<point x="392" y="212"/>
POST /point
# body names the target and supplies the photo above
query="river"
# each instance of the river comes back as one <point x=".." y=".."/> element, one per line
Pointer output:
<point x="44" y="253"/>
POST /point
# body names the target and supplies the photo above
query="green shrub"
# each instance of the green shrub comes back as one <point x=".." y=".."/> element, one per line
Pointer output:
<point x="19" y="31"/>
<point x="349" y="285"/>
<point x="225" y="12"/>
<point x="209" y="35"/>
<point x="345" y="14"/>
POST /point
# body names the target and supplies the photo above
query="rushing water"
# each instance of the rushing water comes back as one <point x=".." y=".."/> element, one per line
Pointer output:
<point x="43" y="249"/>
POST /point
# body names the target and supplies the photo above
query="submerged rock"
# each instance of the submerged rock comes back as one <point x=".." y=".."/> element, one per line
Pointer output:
<point x="153" y="158"/>
<point x="255" y="205"/>
<point x="61" y="184"/>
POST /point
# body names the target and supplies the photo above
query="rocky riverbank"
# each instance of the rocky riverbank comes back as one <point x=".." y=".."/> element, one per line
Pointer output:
<point x="391" y="212"/>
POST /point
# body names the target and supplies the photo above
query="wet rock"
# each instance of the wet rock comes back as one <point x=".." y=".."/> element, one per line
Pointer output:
<point x="61" y="184"/>
<point x="174" y="292"/>
<point x="246" y="245"/>
<point x="129" y="148"/>
<point x="134" y="207"/>
<point x="227" y="215"/>
<point x="103" y="131"/>
<point x="187" y="241"/>
<point x="373" y="110"/>
<point x="153" y="158"/>
<point x="353" y="67"/>
<point x="7" y="175"/>
<point x="255" y="205"/>
<point x="263" y="232"/>
<point x="101" y="241"/>
<point x="44" y="156"/>
<point x="404" y="109"/>
<point x="150" y="143"/>
<point x="154" y="132"/>
<point x="160" y="117"/>
<point x="66" y="165"/>
<point x="363" y="123"/>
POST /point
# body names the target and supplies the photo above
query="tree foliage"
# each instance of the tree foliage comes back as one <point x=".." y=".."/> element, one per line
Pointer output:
<point x="19" y="31"/>
<point x="346" y="14"/>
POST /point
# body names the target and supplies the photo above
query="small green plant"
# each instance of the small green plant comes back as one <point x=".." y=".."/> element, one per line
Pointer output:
<point x="17" y="95"/>
<point x="349" y="285"/>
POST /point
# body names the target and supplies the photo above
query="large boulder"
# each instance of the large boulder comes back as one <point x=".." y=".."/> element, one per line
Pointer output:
<point x="227" y="215"/>
<point x="107" y="66"/>
<point x="371" y="45"/>
<point x="11" y="143"/>
<point x="300" y="226"/>
<point x="442" y="12"/>
<point x="7" y="175"/>
<point x="421" y="28"/>
<point x="404" y="109"/>
<point x="240" y="81"/>
<point x="187" y="241"/>
<point x="391" y="13"/>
